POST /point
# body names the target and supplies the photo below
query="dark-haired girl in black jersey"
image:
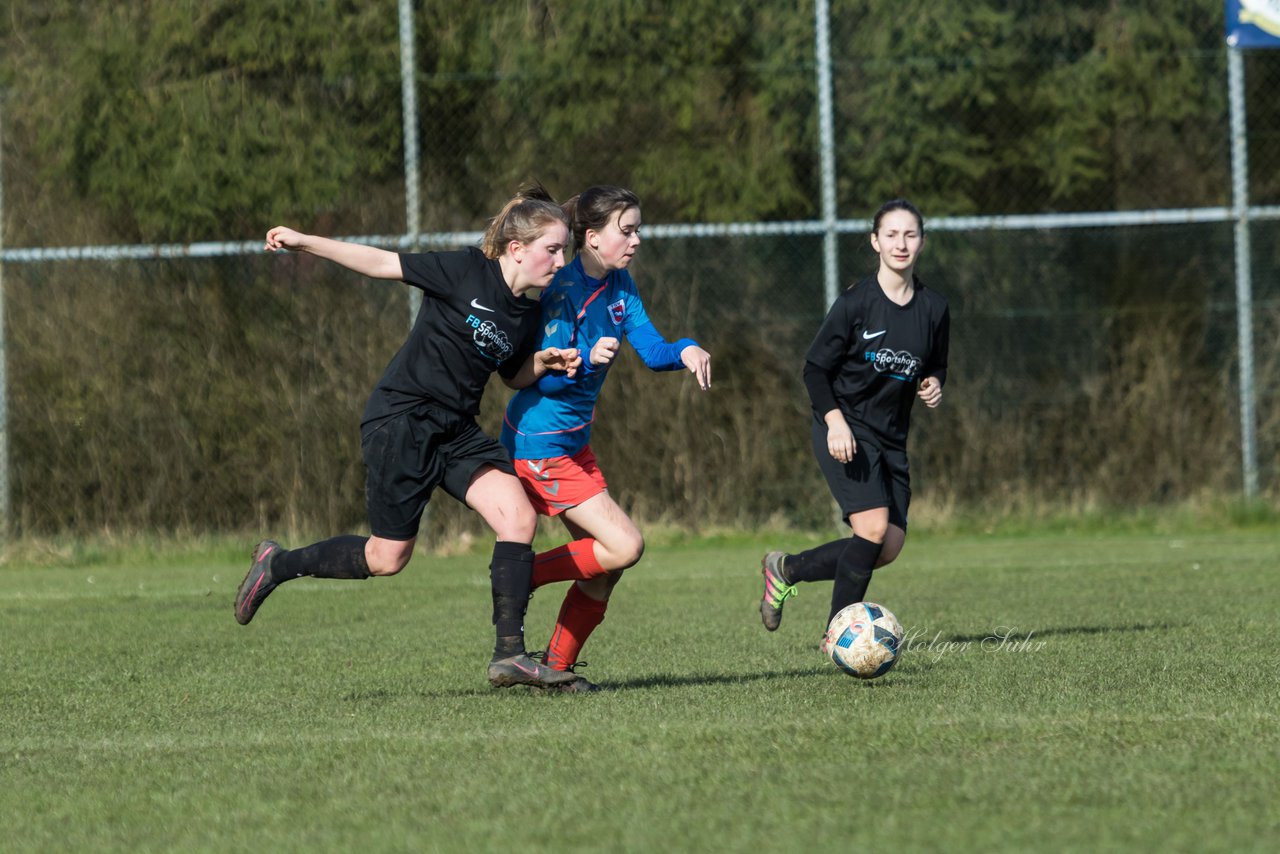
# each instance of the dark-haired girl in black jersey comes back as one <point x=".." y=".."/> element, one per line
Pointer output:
<point x="480" y="314"/>
<point x="883" y="344"/>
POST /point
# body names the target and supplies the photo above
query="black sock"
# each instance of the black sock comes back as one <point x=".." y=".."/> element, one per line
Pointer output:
<point x="511" y="576"/>
<point x="339" y="557"/>
<point x="815" y="564"/>
<point x="853" y="573"/>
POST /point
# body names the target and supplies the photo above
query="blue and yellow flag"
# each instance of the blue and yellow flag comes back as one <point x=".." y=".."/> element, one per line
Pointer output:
<point x="1253" y="23"/>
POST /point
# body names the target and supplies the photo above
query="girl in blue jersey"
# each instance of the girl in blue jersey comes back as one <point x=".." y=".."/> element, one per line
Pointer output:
<point x="480" y="314"/>
<point x="590" y="307"/>
<point x="883" y="344"/>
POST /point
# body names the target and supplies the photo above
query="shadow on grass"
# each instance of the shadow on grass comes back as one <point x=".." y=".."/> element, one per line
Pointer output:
<point x="702" y="679"/>
<point x="612" y="686"/>
<point x="916" y="652"/>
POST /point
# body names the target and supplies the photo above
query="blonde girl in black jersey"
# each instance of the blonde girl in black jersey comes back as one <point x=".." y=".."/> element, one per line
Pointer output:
<point x="480" y="314"/>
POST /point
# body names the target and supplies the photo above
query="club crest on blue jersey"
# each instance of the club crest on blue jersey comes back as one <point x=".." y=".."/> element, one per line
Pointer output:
<point x="617" y="312"/>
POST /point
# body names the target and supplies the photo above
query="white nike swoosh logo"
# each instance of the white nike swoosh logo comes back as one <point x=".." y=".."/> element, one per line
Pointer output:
<point x="867" y="336"/>
<point x="476" y="304"/>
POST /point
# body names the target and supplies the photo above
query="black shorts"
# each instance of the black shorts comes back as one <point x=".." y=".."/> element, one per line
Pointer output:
<point x="875" y="477"/>
<point x="407" y="455"/>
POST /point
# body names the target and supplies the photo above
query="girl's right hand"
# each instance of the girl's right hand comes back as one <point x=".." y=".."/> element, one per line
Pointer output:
<point x="282" y="237"/>
<point x="556" y="359"/>
<point x="604" y="351"/>
<point x="840" y="441"/>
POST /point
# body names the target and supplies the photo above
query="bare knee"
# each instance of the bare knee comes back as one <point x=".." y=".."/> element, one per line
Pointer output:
<point x="631" y="552"/>
<point x="387" y="566"/>
<point x="516" y="524"/>
<point x="524" y="525"/>
<point x="623" y="551"/>
<point x="387" y="557"/>
<point x="500" y="500"/>
<point x="870" y="530"/>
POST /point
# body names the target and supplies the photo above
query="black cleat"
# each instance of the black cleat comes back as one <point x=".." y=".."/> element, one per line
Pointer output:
<point x="257" y="584"/>
<point x="580" y="685"/>
<point x="523" y="670"/>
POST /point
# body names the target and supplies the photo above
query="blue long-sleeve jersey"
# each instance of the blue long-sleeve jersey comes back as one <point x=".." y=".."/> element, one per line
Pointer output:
<point x="552" y="417"/>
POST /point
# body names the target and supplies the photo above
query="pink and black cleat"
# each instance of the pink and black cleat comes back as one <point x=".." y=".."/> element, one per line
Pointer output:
<point x="523" y="670"/>
<point x="257" y="584"/>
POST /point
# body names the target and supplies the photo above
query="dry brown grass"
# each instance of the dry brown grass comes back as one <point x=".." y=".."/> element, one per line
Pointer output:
<point x="226" y="396"/>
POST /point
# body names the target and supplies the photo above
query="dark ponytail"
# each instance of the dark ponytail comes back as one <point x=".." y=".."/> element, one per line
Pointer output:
<point x="592" y="209"/>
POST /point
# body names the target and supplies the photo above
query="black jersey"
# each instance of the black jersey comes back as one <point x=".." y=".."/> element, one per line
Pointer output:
<point x="873" y="352"/>
<point x="470" y="325"/>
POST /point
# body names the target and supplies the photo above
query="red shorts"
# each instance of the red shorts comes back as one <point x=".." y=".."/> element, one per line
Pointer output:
<point x="558" y="483"/>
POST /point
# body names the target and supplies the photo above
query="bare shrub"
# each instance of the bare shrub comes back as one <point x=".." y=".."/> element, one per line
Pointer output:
<point x="226" y="395"/>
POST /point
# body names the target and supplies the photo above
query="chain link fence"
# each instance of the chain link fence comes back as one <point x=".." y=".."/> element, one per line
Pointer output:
<point x="154" y="382"/>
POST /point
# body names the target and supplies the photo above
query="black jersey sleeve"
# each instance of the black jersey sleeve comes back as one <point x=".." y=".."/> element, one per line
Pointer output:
<point x="826" y="355"/>
<point x="817" y="380"/>
<point x="433" y="272"/>
<point x="831" y="345"/>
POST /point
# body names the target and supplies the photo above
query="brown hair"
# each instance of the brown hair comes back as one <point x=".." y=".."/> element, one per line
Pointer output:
<point x="522" y="219"/>
<point x="592" y="209"/>
<point x="896" y="205"/>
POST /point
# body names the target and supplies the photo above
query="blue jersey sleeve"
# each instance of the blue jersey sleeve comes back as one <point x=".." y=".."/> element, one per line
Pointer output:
<point x="656" y="352"/>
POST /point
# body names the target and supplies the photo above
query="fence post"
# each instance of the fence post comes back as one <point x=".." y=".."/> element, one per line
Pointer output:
<point x="409" y="106"/>
<point x="1244" y="274"/>
<point x="826" y="152"/>
<point x="4" y="364"/>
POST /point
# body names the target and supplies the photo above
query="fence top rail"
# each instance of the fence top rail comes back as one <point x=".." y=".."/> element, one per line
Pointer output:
<point x="445" y="239"/>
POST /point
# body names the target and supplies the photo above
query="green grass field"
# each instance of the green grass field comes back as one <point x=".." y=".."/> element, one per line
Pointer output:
<point x="1131" y="706"/>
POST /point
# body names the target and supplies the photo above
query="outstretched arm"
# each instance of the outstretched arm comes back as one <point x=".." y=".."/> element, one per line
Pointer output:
<point x="367" y="260"/>
<point x="662" y="355"/>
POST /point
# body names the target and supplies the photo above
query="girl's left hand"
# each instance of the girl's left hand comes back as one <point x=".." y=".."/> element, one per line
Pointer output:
<point x="698" y="361"/>
<point x="604" y="351"/>
<point x="930" y="392"/>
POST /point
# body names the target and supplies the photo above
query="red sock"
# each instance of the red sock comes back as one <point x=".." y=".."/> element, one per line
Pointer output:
<point x="579" y="615"/>
<point x="574" y="561"/>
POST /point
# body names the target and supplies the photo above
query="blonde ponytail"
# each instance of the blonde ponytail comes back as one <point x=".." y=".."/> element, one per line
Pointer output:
<point x="523" y="219"/>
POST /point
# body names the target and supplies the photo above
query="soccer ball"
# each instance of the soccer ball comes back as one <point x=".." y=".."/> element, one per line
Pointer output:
<point x="863" y="640"/>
